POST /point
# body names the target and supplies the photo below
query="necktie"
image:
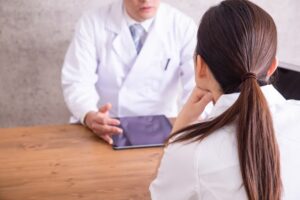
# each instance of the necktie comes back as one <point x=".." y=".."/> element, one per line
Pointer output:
<point x="138" y="34"/>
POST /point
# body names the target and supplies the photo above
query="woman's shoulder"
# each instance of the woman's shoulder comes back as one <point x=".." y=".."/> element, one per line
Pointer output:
<point x="219" y="147"/>
<point x="289" y="111"/>
<point x="286" y="121"/>
<point x="293" y="102"/>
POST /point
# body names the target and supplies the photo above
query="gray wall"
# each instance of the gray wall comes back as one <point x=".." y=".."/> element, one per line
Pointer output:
<point x="35" y="34"/>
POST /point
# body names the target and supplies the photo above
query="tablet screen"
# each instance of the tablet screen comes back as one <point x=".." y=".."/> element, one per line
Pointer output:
<point x="142" y="131"/>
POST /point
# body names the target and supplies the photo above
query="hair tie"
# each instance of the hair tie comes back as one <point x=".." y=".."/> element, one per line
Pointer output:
<point x="249" y="75"/>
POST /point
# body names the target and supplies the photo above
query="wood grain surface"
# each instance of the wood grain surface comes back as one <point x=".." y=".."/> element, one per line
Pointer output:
<point x="68" y="162"/>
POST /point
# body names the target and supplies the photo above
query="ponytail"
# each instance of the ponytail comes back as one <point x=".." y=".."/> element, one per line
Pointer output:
<point x="257" y="147"/>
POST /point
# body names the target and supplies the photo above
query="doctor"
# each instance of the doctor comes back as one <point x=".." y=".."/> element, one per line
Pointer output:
<point x="126" y="59"/>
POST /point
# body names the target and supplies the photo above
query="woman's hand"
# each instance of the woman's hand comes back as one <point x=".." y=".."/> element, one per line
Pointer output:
<point x="192" y="109"/>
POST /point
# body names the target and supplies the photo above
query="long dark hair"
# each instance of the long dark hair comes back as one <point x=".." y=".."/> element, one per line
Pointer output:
<point x="238" y="41"/>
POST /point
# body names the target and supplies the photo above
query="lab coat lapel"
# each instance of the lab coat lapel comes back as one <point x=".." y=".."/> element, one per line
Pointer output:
<point x="151" y="49"/>
<point x="122" y="43"/>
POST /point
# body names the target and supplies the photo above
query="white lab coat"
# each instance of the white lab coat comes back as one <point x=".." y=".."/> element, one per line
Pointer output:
<point x="209" y="170"/>
<point x="101" y="64"/>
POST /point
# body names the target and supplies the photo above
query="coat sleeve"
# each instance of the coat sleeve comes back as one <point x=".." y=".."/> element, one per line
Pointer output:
<point x="79" y="71"/>
<point x="177" y="174"/>
<point x="187" y="73"/>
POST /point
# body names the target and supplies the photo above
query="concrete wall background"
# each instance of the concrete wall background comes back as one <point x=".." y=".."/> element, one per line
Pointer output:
<point x="34" y="36"/>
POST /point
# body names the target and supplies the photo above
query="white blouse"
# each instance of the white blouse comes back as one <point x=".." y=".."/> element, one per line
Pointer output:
<point x="210" y="169"/>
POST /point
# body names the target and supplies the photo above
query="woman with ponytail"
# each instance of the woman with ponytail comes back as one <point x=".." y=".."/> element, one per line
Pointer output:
<point x="249" y="145"/>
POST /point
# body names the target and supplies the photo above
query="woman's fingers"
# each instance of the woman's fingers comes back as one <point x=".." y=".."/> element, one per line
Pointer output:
<point x="198" y="94"/>
<point x="202" y="103"/>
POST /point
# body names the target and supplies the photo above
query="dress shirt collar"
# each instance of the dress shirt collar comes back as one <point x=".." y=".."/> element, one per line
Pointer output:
<point x="145" y="24"/>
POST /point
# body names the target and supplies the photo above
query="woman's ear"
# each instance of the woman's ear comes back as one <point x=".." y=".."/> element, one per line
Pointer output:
<point x="200" y="67"/>
<point x="273" y="67"/>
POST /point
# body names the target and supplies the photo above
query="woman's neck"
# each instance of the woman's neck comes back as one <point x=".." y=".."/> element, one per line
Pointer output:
<point x="216" y="95"/>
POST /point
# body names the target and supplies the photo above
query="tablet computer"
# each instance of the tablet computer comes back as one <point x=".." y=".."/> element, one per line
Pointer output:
<point x="142" y="131"/>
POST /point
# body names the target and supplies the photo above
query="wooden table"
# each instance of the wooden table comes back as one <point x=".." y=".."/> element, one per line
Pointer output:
<point x="69" y="162"/>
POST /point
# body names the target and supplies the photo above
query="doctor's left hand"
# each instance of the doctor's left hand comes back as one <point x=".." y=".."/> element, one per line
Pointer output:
<point x="102" y="124"/>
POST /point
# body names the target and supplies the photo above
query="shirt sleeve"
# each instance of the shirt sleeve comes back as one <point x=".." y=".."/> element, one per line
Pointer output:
<point x="79" y="71"/>
<point x="177" y="175"/>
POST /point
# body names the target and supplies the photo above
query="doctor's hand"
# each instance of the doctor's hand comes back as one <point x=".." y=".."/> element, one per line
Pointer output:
<point x="192" y="109"/>
<point x="103" y="125"/>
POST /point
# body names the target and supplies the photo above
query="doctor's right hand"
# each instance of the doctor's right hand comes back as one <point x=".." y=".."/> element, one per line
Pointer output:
<point x="102" y="124"/>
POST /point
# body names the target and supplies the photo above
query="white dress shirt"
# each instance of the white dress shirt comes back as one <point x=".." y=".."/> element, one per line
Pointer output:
<point x="210" y="169"/>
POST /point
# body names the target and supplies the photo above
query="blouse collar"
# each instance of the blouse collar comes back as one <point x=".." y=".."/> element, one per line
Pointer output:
<point x="272" y="96"/>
